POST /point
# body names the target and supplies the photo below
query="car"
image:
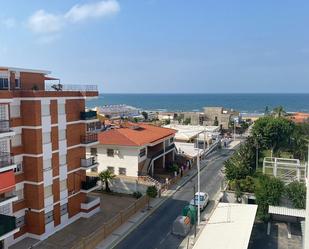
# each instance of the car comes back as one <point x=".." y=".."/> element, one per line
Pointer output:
<point x="203" y="197"/>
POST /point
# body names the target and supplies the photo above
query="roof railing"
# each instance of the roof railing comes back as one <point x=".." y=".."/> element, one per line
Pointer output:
<point x="69" y="87"/>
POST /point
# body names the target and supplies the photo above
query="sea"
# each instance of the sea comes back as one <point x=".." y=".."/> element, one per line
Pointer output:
<point x="245" y="103"/>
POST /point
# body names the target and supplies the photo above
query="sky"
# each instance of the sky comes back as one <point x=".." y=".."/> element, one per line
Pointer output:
<point x="162" y="46"/>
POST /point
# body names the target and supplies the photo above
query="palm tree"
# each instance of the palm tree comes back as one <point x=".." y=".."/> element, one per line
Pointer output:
<point x="278" y="111"/>
<point x="105" y="176"/>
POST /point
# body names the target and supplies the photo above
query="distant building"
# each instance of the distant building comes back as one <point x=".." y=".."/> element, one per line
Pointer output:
<point x="119" y="111"/>
<point x="299" y="117"/>
<point x="220" y="116"/>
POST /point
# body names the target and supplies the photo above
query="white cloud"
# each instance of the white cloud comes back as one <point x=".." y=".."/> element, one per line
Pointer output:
<point x="42" y="22"/>
<point x="8" y="23"/>
<point x="94" y="10"/>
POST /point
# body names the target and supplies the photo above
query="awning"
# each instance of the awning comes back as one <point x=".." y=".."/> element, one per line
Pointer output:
<point x="293" y="212"/>
<point x="7" y="181"/>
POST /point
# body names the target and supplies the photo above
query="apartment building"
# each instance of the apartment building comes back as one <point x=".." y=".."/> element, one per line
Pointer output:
<point x="44" y="133"/>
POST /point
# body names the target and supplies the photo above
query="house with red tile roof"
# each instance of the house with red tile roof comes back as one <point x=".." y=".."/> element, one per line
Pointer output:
<point x="299" y="117"/>
<point x="134" y="149"/>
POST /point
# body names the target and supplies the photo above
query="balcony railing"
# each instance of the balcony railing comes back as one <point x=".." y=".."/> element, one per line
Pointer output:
<point x="88" y="162"/>
<point x="5" y="159"/>
<point x="94" y="126"/>
<point x="88" y="115"/>
<point x="89" y="138"/>
<point x="69" y="87"/>
<point x="91" y="182"/>
<point x="7" y="224"/>
<point x="4" y="126"/>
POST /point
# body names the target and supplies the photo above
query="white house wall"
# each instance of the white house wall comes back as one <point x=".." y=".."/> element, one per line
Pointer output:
<point x="127" y="158"/>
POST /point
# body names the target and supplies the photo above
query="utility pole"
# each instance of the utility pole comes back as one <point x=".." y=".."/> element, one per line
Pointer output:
<point x="194" y="206"/>
<point x="198" y="187"/>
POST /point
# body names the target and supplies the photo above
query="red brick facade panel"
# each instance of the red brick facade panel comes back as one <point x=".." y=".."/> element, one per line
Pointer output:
<point x="32" y="81"/>
<point x="54" y="111"/>
<point x="35" y="222"/>
<point x="31" y="112"/>
<point x="33" y="169"/>
<point x="34" y="196"/>
<point x="54" y="138"/>
<point x="73" y="107"/>
<point x="55" y="164"/>
<point x="74" y="157"/>
<point x="74" y="133"/>
<point x="32" y="141"/>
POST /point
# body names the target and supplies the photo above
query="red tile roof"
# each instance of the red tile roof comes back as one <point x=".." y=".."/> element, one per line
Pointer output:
<point x="135" y="135"/>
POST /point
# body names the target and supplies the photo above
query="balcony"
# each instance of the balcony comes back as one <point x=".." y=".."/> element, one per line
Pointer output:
<point x="88" y="115"/>
<point x="7" y="226"/>
<point x="7" y="199"/>
<point x="90" y="184"/>
<point x="6" y="162"/>
<point x="89" y="139"/>
<point x="89" y="163"/>
<point x="5" y="129"/>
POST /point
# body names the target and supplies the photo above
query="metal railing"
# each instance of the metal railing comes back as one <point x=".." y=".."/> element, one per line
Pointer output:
<point x="88" y="162"/>
<point x="91" y="182"/>
<point x="5" y="159"/>
<point x="69" y="87"/>
<point x="89" y="138"/>
<point x="4" y="126"/>
<point x="88" y="115"/>
<point x="7" y="224"/>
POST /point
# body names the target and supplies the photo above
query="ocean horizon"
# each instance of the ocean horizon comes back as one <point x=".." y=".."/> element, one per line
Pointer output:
<point x="243" y="102"/>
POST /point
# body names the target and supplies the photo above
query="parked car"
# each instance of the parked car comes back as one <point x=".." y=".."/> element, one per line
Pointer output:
<point x="202" y="198"/>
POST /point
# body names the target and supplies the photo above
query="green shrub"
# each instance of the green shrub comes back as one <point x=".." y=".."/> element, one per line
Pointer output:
<point x="137" y="194"/>
<point x="296" y="192"/>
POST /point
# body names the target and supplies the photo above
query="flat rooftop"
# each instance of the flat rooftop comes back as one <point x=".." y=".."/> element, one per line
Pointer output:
<point x="229" y="227"/>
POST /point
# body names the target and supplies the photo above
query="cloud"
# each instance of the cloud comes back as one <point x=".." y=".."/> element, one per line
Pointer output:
<point x="8" y="23"/>
<point x="94" y="10"/>
<point x="42" y="22"/>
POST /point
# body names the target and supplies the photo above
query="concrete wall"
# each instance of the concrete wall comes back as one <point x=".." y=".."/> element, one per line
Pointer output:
<point x="127" y="186"/>
<point x="128" y="158"/>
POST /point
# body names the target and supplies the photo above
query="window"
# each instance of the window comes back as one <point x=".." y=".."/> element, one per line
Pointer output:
<point x="19" y="168"/>
<point x="48" y="191"/>
<point x="3" y="146"/>
<point x="110" y="152"/>
<point x="49" y="217"/>
<point x="111" y="169"/>
<point x="5" y="209"/>
<point x="171" y="139"/>
<point x="45" y="110"/>
<point x="16" y="140"/>
<point x="20" y="222"/>
<point x="17" y="83"/>
<point x="122" y="171"/>
<point x="4" y="83"/>
<point x="93" y="151"/>
<point x="62" y="134"/>
<point x="142" y="152"/>
<point x="63" y="185"/>
<point x="46" y="139"/>
<point x="63" y="209"/>
<point x="3" y="115"/>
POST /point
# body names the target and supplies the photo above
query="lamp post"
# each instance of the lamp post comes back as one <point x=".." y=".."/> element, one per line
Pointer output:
<point x="306" y="237"/>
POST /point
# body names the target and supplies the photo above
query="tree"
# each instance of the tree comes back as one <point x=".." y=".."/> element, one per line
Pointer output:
<point x="299" y="142"/>
<point x="273" y="133"/>
<point x="187" y="121"/>
<point x="278" y="111"/>
<point x="268" y="191"/>
<point x="296" y="192"/>
<point x="106" y="176"/>
<point x="145" y="115"/>
<point x="216" y="122"/>
<point x="241" y="164"/>
<point x="151" y="192"/>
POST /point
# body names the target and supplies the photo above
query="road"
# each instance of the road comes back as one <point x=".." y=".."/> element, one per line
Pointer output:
<point x="155" y="231"/>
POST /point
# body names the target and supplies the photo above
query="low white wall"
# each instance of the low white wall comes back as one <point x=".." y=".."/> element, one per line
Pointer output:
<point x="127" y="186"/>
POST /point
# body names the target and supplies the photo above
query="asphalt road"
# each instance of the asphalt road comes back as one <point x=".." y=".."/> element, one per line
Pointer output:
<point x="155" y="231"/>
